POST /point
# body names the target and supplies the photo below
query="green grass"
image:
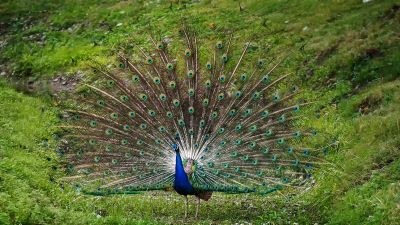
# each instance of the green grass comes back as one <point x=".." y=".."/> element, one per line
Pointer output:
<point x="345" y="55"/>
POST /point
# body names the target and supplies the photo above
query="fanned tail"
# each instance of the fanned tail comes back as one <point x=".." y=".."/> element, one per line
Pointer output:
<point x="235" y="121"/>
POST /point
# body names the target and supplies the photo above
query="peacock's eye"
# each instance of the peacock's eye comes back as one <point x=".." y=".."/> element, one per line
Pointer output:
<point x="162" y="129"/>
<point x="207" y="84"/>
<point x="97" y="158"/>
<point x="275" y="97"/>
<point x="92" y="142"/>
<point x="156" y="80"/>
<point x="202" y="123"/>
<point x="160" y="46"/>
<point x="122" y="65"/>
<point x="248" y="112"/>
<point x="172" y="84"/>
<point x="176" y="102"/>
<point x="260" y="63"/>
<point x="269" y="132"/>
<point x="126" y="127"/>
<point x="252" y="144"/>
<point x="93" y="123"/>
<point x="253" y="128"/>
<point x="110" y="83"/>
<point x="209" y="66"/>
<point x="222" y="143"/>
<point x="124" y="98"/>
<point x="265" y="79"/>
<point x="149" y="61"/>
<point x="191" y="110"/>
<point x="234" y="154"/>
<point x="282" y="118"/>
<point x="169" y="114"/>
<point x="188" y="52"/>
<point x="238" y="94"/>
<point x="224" y="58"/>
<point x="219" y="44"/>
<point x="238" y="127"/>
<point x="135" y="79"/>
<point x="181" y="122"/>
<point x="265" y="113"/>
<point x="243" y="77"/>
<point x="238" y="142"/>
<point x="132" y="115"/>
<point x="151" y="113"/>
<point x="190" y="74"/>
<point x="108" y="131"/>
<point x="214" y="115"/>
<point x="143" y="97"/>
<point x="114" y="115"/>
<point x="221" y="96"/>
<point x="101" y="103"/>
<point x="205" y="102"/>
<point x="221" y="78"/>
<point x="170" y="66"/>
<point x="191" y="92"/>
<point x="163" y="97"/>
<point x="256" y="95"/>
<point x="232" y="112"/>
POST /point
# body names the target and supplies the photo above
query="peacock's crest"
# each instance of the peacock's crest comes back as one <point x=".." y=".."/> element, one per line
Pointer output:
<point x="234" y="119"/>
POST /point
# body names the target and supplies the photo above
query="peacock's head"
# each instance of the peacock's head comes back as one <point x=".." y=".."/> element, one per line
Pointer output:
<point x="175" y="147"/>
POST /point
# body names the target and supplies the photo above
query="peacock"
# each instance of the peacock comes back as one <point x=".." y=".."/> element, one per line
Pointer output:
<point x="198" y="120"/>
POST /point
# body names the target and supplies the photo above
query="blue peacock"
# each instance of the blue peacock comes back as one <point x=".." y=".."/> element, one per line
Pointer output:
<point x="201" y="120"/>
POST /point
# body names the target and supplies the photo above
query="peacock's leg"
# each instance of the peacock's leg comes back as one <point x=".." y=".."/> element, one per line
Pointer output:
<point x="197" y="207"/>
<point x="186" y="206"/>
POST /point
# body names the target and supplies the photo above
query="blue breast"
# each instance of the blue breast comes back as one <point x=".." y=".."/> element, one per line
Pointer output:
<point x="182" y="184"/>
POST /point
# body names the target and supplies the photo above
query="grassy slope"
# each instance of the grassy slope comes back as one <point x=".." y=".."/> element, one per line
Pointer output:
<point x="350" y="60"/>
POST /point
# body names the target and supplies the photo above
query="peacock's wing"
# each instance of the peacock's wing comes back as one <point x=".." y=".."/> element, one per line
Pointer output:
<point x="234" y="120"/>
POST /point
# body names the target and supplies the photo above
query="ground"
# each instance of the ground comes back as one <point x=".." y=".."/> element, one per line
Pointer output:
<point x="345" y="54"/>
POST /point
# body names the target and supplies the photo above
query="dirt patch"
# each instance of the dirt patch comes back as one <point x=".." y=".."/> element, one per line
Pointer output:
<point x="369" y="104"/>
<point x="60" y="83"/>
<point x="391" y="13"/>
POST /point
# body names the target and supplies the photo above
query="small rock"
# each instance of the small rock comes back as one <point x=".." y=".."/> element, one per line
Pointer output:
<point x="366" y="1"/>
<point x="119" y="24"/>
<point x="305" y="28"/>
<point x="64" y="83"/>
<point x="56" y="79"/>
<point x="3" y="73"/>
<point x="63" y="78"/>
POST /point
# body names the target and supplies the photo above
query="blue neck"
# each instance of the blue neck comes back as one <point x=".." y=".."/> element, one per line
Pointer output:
<point x="181" y="184"/>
